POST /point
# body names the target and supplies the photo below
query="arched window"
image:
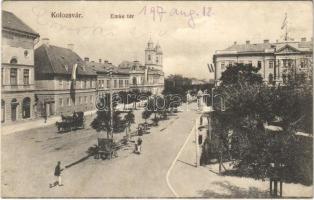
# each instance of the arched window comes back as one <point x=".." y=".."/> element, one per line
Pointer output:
<point x="14" y="104"/>
<point x="26" y="108"/>
<point x="134" y="80"/>
<point x="2" y="111"/>
<point x="13" y="60"/>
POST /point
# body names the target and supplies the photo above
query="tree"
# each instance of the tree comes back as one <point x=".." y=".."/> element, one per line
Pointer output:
<point x="129" y="118"/>
<point x="102" y="121"/>
<point x="241" y="72"/>
<point x="249" y="105"/>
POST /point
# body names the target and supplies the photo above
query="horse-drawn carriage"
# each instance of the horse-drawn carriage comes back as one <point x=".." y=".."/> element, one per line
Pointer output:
<point x="70" y="123"/>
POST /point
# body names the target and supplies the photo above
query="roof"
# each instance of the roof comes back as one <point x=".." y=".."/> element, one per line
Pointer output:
<point x="51" y="59"/>
<point x="105" y="68"/>
<point x="137" y="67"/>
<point x="12" y="22"/>
<point x="263" y="47"/>
<point x="249" y="47"/>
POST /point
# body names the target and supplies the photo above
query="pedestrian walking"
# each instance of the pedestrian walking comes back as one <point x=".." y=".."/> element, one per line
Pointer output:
<point x="57" y="174"/>
<point x="45" y="117"/>
<point x="139" y="144"/>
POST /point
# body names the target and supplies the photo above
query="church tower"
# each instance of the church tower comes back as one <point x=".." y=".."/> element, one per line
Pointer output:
<point x="153" y="56"/>
<point x="150" y="55"/>
<point x="158" y="57"/>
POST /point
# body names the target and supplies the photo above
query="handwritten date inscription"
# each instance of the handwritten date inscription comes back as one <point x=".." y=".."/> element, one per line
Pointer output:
<point x="159" y="13"/>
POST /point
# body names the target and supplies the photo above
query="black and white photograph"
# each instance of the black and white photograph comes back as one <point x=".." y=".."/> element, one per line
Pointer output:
<point x="157" y="99"/>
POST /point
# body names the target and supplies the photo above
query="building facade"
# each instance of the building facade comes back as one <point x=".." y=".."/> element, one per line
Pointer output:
<point x="150" y="76"/>
<point x="64" y="83"/>
<point x="277" y="61"/>
<point x="17" y="69"/>
<point x="119" y="80"/>
<point x="153" y="56"/>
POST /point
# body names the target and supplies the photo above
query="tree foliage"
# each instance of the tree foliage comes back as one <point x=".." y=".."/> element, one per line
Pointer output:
<point x="241" y="73"/>
<point x="102" y="121"/>
<point x="250" y="105"/>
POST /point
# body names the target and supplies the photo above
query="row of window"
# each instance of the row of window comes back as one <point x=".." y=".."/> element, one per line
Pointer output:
<point x="116" y="83"/>
<point x="285" y="63"/>
<point x="150" y="80"/>
<point x="14" y="76"/>
<point x="79" y="100"/>
<point x="83" y="84"/>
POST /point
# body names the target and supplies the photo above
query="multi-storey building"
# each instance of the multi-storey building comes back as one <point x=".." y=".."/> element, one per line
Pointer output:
<point x="148" y="77"/>
<point x="56" y="90"/>
<point x="275" y="60"/>
<point x="17" y="69"/>
<point x="119" y="80"/>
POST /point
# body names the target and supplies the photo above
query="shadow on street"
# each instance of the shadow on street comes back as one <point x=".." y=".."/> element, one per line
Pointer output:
<point x="231" y="191"/>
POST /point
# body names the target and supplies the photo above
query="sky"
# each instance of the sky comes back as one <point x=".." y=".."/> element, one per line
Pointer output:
<point x="188" y="32"/>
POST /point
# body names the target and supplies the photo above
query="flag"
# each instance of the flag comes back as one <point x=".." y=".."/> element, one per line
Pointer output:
<point x="74" y="69"/>
<point x="284" y="23"/>
<point x="73" y="82"/>
<point x="211" y="68"/>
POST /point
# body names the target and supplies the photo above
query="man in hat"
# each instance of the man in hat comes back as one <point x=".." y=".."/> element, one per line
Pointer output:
<point x="58" y="173"/>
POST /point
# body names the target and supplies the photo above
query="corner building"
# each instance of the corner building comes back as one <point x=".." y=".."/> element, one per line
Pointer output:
<point x="275" y="60"/>
<point x="17" y="69"/>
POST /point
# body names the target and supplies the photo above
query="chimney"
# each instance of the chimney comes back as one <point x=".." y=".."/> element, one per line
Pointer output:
<point x="86" y="59"/>
<point x="247" y="42"/>
<point x="303" y="39"/>
<point x="45" y="41"/>
<point x="99" y="60"/>
<point x="266" y="41"/>
<point x="235" y="42"/>
<point x="106" y="61"/>
<point x="71" y="46"/>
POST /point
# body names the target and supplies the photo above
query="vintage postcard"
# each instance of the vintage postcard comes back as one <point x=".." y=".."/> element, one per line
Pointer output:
<point x="157" y="99"/>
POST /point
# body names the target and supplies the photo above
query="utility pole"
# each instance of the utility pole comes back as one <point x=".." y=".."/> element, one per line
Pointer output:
<point x="213" y="97"/>
<point x="111" y="105"/>
<point x="196" y="143"/>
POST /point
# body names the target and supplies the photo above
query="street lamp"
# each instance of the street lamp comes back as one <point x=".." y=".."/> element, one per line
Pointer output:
<point x="111" y="104"/>
<point x="213" y="97"/>
<point x="274" y="130"/>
